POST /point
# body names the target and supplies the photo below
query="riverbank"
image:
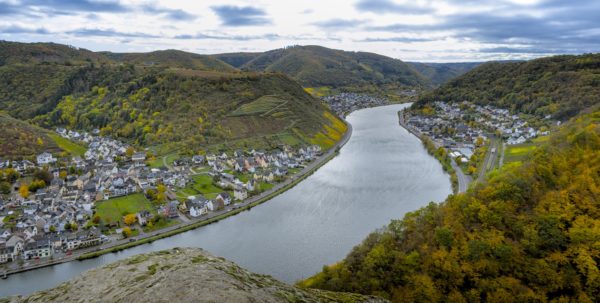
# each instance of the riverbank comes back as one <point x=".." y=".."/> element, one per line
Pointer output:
<point x="211" y="218"/>
<point x="459" y="184"/>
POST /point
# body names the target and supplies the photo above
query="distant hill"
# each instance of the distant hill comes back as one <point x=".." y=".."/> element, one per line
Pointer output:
<point x="529" y="234"/>
<point x="561" y="86"/>
<point x="315" y="66"/>
<point x="440" y="73"/>
<point x="173" y="58"/>
<point x="19" y="140"/>
<point x="236" y="60"/>
<point x="181" y="275"/>
<point x="165" y="98"/>
<point x="15" y="52"/>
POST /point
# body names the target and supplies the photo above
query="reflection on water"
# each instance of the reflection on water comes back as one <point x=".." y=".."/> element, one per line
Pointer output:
<point x="380" y="174"/>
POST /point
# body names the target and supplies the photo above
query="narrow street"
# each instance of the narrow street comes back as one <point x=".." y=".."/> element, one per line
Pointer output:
<point x="463" y="180"/>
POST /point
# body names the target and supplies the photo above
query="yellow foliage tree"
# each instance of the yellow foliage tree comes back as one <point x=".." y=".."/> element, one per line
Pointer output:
<point x="24" y="190"/>
<point x="130" y="219"/>
<point x="127" y="232"/>
<point x="130" y="151"/>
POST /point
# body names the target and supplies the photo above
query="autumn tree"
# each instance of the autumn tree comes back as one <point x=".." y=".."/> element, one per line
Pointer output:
<point x="161" y="190"/>
<point x="24" y="190"/>
<point x="127" y="232"/>
<point x="130" y="219"/>
<point x="130" y="151"/>
<point x="96" y="219"/>
<point x="5" y="187"/>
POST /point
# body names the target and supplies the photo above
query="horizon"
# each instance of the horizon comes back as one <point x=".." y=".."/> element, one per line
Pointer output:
<point x="418" y="31"/>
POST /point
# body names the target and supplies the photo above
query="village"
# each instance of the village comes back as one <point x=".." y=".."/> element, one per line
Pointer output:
<point x="345" y="103"/>
<point x="462" y="127"/>
<point x="58" y="205"/>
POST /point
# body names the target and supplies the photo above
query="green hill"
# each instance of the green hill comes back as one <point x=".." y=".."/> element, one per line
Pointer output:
<point x="561" y="86"/>
<point x="193" y="109"/>
<point x="315" y="66"/>
<point x="173" y="58"/>
<point x="236" y="60"/>
<point x="15" y="52"/>
<point x="530" y="234"/>
<point x="440" y="73"/>
<point x="167" y="98"/>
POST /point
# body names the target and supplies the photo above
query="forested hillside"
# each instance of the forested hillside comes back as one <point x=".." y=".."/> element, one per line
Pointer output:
<point x="561" y="86"/>
<point x="19" y="140"/>
<point x="150" y="107"/>
<point x="236" y="60"/>
<point x="440" y="73"/>
<point x="315" y="66"/>
<point x="166" y="97"/>
<point x="530" y="234"/>
<point x="47" y="53"/>
<point x="172" y="58"/>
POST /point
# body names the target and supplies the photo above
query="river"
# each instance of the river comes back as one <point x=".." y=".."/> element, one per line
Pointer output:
<point x="380" y="174"/>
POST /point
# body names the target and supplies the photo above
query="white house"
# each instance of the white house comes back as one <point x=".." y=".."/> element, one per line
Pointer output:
<point x="225" y="197"/>
<point x="45" y="158"/>
<point x="240" y="194"/>
<point x="196" y="211"/>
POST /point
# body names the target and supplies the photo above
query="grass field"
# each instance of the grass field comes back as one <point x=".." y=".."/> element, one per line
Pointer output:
<point x="319" y="91"/>
<point x="157" y="162"/>
<point x="68" y="146"/>
<point x="114" y="209"/>
<point x="160" y="225"/>
<point x="265" y="186"/>
<point x="202" y="185"/>
<point x="516" y="153"/>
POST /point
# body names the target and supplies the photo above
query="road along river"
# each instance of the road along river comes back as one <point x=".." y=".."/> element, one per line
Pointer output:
<point x="380" y="174"/>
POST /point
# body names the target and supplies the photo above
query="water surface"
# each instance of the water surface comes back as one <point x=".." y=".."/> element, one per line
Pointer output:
<point x="380" y="174"/>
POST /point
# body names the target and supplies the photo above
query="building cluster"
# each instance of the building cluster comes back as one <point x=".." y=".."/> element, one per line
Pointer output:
<point x="51" y="219"/>
<point x="54" y="219"/>
<point x="457" y="126"/>
<point x="345" y="103"/>
<point x="260" y="166"/>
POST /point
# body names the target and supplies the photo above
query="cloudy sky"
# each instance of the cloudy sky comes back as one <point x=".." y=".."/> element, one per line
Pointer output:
<point x="415" y="30"/>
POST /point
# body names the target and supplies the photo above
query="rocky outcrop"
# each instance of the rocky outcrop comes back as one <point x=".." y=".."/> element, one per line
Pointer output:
<point x="180" y="275"/>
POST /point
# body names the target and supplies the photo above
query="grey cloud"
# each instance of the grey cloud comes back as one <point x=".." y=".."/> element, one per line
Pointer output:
<point x="15" y="29"/>
<point x="228" y="37"/>
<point x="79" y="5"/>
<point x="172" y="14"/>
<point x="560" y="26"/>
<point x="86" y="32"/>
<point x="72" y="7"/>
<point x="241" y="15"/>
<point x="388" y="6"/>
<point x="397" y="39"/>
<point x="339" y="23"/>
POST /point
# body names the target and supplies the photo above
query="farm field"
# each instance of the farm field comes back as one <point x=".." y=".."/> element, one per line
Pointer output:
<point x="516" y="153"/>
<point x="203" y="185"/>
<point x="114" y="209"/>
<point x="68" y="146"/>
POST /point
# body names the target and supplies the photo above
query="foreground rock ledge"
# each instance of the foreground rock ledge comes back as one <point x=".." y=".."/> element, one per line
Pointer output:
<point x="180" y="275"/>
